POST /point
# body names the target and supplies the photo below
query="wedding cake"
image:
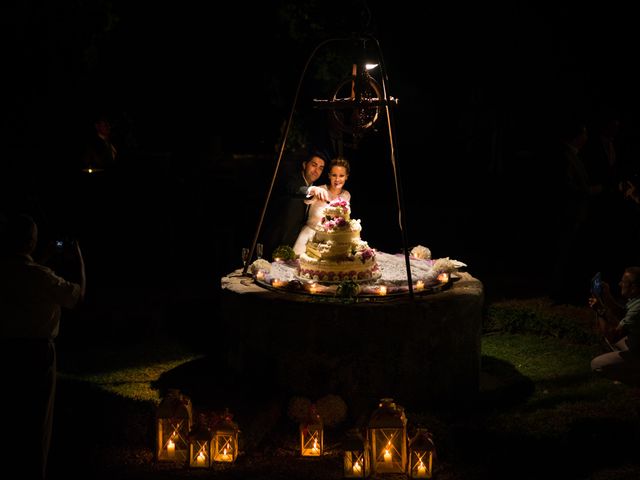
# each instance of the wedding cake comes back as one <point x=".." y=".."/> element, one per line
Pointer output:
<point x="336" y="252"/>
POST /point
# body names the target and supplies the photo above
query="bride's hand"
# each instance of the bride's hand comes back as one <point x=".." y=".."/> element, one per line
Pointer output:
<point x="319" y="193"/>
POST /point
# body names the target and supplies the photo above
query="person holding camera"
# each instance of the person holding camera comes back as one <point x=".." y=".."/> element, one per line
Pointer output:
<point x="31" y="298"/>
<point x="620" y="325"/>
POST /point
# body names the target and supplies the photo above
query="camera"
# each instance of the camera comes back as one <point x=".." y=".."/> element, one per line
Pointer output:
<point x="62" y="244"/>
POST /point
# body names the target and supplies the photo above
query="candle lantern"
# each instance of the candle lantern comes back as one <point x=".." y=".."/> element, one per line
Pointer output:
<point x="173" y="422"/>
<point x="421" y="453"/>
<point x="388" y="438"/>
<point x="311" y="435"/>
<point x="200" y="440"/>
<point x="356" y="455"/>
<point x="225" y="443"/>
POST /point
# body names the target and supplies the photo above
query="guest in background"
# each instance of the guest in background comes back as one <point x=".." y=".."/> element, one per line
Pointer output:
<point x="601" y="160"/>
<point x="100" y="152"/>
<point x="31" y="297"/>
<point x="569" y="191"/>
<point x="620" y="324"/>
<point x="608" y="208"/>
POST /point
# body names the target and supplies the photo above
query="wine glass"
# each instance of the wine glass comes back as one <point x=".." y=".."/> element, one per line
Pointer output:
<point x="259" y="250"/>
<point x="245" y="255"/>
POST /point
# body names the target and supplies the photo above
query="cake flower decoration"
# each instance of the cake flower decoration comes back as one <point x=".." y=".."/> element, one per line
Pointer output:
<point x="366" y="254"/>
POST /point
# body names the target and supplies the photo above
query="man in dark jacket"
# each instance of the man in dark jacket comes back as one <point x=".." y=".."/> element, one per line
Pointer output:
<point x="288" y="212"/>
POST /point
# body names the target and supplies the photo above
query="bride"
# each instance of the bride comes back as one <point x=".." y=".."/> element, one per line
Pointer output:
<point x="338" y="174"/>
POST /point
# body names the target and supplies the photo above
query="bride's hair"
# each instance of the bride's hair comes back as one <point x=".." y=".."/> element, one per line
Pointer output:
<point x="340" y="162"/>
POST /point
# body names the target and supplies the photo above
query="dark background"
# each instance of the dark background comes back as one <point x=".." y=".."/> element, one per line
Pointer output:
<point x="198" y="95"/>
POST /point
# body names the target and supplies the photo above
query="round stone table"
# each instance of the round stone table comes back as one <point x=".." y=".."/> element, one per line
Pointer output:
<point x="424" y="351"/>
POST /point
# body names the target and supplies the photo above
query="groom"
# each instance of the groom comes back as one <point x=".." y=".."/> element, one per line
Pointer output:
<point x="288" y="210"/>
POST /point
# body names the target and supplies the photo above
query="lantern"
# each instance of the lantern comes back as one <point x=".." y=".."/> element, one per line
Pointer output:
<point x="356" y="455"/>
<point x="311" y="435"/>
<point x="225" y="439"/>
<point x="387" y="437"/>
<point x="200" y="445"/>
<point x="421" y="453"/>
<point x="173" y="420"/>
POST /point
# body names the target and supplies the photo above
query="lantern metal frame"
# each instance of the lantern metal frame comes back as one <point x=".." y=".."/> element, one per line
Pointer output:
<point x="225" y="441"/>
<point x="200" y="441"/>
<point x="200" y="453"/>
<point x="421" y="455"/>
<point x="387" y="432"/>
<point x="312" y="434"/>
<point x="311" y="439"/>
<point x="357" y="462"/>
<point x="173" y="423"/>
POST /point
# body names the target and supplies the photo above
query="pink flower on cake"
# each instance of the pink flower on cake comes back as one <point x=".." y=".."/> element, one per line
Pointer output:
<point x="367" y="253"/>
<point x="340" y="222"/>
<point x="329" y="225"/>
<point x="339" y="202"/>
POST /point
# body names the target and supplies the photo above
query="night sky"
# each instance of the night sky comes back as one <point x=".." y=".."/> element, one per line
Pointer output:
<point x="192" y="84"/>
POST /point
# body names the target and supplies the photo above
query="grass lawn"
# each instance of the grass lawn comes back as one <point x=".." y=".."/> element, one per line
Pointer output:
<point x="541" y="412"/>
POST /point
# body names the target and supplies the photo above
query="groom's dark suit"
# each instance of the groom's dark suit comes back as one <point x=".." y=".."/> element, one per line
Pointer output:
<point x="287" y="212"/>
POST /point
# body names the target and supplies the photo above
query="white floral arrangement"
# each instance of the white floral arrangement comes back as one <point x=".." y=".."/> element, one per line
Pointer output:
<point x="260" y="264"/>
<point x="355" y="226"/>
<point x="421" y="252"/>
<point x="446" y="265"/>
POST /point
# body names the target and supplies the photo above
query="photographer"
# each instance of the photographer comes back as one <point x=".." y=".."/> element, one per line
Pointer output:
<point x="620" y="326"/>
<point x="31" y="297"/>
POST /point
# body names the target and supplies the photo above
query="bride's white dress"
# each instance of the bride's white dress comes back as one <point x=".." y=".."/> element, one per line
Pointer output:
<point x="316" y="208"/>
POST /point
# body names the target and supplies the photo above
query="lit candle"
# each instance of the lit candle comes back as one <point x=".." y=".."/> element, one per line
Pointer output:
<point x="387" y="456"/>
<point x="357" y="468"/>
<point x="171" y="449"/>
<point x="382" y="290"/>
<point x="315" y="448"/>
<point x="419" y="285"/>
<point x="443" y="277"/>
<point x="225" y="456"/>
<point x="276" y="282"/>
<point x="277" y="259"/>
<point x="313" y="288"/>
<point x="200" y="458"/>
<point x="422" y="469"/>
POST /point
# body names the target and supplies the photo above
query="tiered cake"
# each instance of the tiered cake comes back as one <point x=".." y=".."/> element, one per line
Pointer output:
<point x="336" y="253"/>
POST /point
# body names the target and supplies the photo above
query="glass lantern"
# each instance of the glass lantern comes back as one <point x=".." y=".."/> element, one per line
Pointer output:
<point x="200" y="438"/>
<point x="421" y="453"/>
<point x="388" y="438"/>
<point x="173" y="423"/>
<point x="311" y="435"/>
<point x="356" y="455"/>
<point x="225" y="440"/>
